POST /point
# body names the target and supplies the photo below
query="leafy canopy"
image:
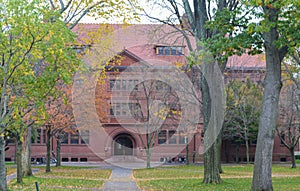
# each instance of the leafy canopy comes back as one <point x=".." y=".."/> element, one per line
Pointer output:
<point x="35" y="54"/>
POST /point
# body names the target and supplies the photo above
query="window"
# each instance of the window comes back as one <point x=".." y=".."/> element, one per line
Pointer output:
<point x="134" y="108"/>
<point x="83" y="160"/>
<point x="65" y="160"/>
<point x="179" y="50"/>
<point x="169" y="50"/>
<point x="74" y="159"/>
<point x="118" y="85"/>
<point x="111" y="84"/>
<point x="111" y="111"/>
<point x="11" y="140"/>
<point x="136" y="85"/>
<point x="130" y="85"/>
<point x="181" y="137"/>
<point x="172" y="137"/>
<point x="118" y="109"/>
<point x="162" y="137"/>
<point x="159" y="85"/>
<point x="124" y="109"/>
<point x="253" y="142"/>
<point x="44" y="136"/>
<point x="123" y="84"/>
<point x="282" y="138"/>
<point x="85" y="136"/>
<point x="74" y="138"/>
<point x="65" y="138"/>
<point x="160" y="50"/>
<point x="174" y="52"/>
<point x="38" y="135"/>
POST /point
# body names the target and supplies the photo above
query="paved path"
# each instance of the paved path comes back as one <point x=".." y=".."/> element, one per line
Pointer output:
<point x="14" y="175"/>
<point x="120" y="180"/>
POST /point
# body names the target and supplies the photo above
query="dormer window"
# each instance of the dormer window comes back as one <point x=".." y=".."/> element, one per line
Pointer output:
<point x="169" y="50"/>
<point x="80" y="49"/>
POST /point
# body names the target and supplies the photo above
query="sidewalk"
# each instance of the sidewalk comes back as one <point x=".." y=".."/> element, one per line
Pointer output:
<point x="14" y="175"/>
<point x="120" y="180"/>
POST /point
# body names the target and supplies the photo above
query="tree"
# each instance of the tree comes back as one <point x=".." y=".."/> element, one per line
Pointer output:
<point x="72" y="12"/>
<point x="60" y="119"/>
<point x="153" y="107"/>
<point x="190" y="20"/>
<point x="271" y="25"/>
<point x="30" y="39"/>
<point x="242" y="114"/>
<point x="288" y="129"/>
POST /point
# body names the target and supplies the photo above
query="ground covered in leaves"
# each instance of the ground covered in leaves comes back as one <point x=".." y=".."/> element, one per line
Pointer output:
<point x="235" y="178"/>
<point x="64" y="178"/>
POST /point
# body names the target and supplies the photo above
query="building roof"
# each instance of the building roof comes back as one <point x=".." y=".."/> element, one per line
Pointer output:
<point x="140" y="40"/>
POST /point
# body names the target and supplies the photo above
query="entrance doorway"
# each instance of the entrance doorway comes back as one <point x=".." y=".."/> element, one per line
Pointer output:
<point x="123" y="145"/>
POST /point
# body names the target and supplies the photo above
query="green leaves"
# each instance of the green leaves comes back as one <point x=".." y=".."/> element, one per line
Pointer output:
<point x="243" y="110"/>
<point x="35" y="55"/>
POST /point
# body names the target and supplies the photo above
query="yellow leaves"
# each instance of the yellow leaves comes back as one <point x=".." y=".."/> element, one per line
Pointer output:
<point x="178" y="65"/>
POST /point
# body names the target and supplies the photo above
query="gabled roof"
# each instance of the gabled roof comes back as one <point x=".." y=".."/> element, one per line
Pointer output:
<point x="139" y="41"/>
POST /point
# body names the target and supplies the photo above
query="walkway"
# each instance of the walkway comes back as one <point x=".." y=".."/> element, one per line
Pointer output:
<point x="120" y="180"/>
<point x="14" y="175"/>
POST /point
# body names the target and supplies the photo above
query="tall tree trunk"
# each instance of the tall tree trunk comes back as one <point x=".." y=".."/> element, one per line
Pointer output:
<point x="210" y="115"/>
<point x="26" y="152"/>
<point x="187" y="153"/>
<point x="262" y="174"/>
<point x="247" y="151"/>
<point x="58" y="148"/>
<point x="237" y="150"/>
<point x="3" y="183"/>
<point x="48" y="145"/>
<point x="219" y="145"/>
<point x="292" y="149"/>
<point x="148" y="165"/>
<point x="19" y="160"/>
<point x="211" y="166"/>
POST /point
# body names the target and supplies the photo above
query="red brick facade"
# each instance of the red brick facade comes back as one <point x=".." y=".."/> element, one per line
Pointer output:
<point x="138" y="44"/>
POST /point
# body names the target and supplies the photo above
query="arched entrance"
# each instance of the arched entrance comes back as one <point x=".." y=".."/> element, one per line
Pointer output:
<point x="123" y="144"/>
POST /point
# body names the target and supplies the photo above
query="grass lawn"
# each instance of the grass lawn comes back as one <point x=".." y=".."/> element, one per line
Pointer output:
<point x="298" y="161"/>
<point x="64" y="178"/>
<point x="190" y="178"/>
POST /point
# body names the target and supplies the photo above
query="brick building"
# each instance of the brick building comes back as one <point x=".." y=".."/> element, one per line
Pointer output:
<point x="103" y="110"/>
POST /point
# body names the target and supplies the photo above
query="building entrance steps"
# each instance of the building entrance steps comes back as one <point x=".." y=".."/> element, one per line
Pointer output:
<point x="120" y="180"/>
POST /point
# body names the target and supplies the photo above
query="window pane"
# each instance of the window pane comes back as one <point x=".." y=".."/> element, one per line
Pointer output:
<point x="172" y="137"/>
<point x="181" y="138"/>
<point x="160" y="50"/>
<point x="111" y="111"/>
<point x="162" y="137"/>
<point x="118" y="85"/>
<point x="173" y="51"/>
<point x="111" y="84"/>
<point x="130" y="85"/>
<point x="179" y="50"/>
<point x="136" y="84"/>
<point x="118" y="109"/>
<point x="64" y="139"/>
<point x="44" y="136"/>
<point x="159" y="85"/>
<point x="123" y="84"/>
<point x="38" y="136"/>
<point x="74" y="138"/>
<point x="124" y="109"/>
<point x="167" y="50"/>
<point x="85" y="136"/>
